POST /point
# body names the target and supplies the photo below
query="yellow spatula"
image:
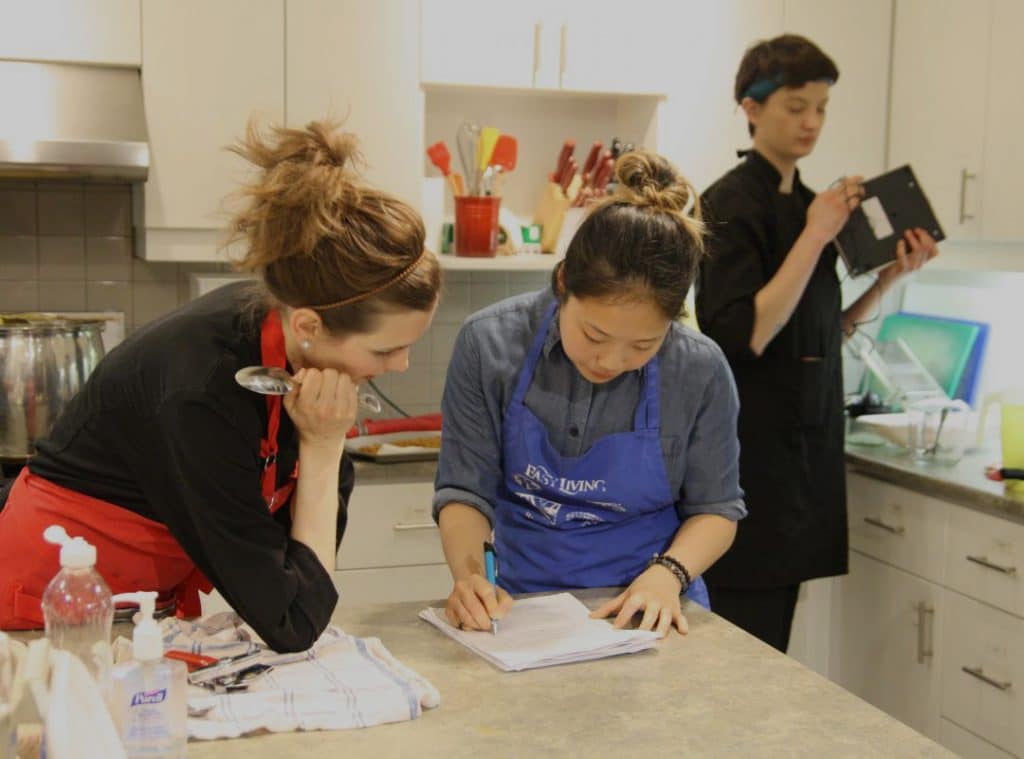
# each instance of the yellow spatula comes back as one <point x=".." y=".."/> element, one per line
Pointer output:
<point x="485" y="146"/>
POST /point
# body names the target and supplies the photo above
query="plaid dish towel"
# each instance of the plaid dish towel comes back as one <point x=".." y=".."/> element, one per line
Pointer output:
<point x="341" y="682"/>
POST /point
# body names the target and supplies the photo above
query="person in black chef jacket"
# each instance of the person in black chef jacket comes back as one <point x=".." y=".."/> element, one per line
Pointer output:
<point x="769" y="295"/>
<point x="186" y="481"/>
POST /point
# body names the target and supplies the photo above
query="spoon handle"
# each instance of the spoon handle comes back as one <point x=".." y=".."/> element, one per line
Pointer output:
<point x="366" y="399"/>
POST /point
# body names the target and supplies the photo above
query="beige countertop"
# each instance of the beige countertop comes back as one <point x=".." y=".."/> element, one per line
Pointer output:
<point x="368" y="472"/>
<point x="715" y="692"/>
<point x="962" y="483"/>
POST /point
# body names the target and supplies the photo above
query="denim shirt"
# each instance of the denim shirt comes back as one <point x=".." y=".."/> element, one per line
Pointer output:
<point x="699" y="408"/>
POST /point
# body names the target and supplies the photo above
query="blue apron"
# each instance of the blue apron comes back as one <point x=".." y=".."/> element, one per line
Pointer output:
<point x="585" y="522"/>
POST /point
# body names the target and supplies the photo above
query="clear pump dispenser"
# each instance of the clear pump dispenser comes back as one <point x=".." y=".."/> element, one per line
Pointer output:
<point x="148" y="694"/>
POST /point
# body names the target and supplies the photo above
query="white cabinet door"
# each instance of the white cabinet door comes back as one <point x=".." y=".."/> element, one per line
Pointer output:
<point x="887" y="629"/>
<point x="897" y="525"/>
<point x="485" y="44"/>
<point x="967" y="744"/>
<point x="856" y="36"/>
<point x="703" y="127"/>
<point x="357" y="61"/>
<point x="390" y="526"/>
<point x="76" y="31"/>
<point x="1004" y="158"/>
<point x="207" y="67"/>
<point x="428" y="582"/>
<point x="810" y="641"/>
<point x="601" y="50"/>
<point x="982" y="672"/>
<point x="939" y="85"/>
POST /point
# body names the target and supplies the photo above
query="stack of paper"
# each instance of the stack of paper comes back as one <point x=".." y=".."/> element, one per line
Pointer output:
<point x="545" y="631"/>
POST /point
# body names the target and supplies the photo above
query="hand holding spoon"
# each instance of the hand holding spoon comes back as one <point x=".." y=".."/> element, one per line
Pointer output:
<point x="272" y="380"/>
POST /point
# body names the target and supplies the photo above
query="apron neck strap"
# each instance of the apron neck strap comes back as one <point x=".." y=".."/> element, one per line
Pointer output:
<point x="648" y="410"/>
<point x="533" y="356"/>
<point x="272" y="353"/>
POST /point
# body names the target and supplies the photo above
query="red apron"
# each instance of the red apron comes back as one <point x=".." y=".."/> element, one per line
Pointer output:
<point x="133" y="553"/>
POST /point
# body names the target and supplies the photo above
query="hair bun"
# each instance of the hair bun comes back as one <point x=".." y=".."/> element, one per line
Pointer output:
<point x="647" y="180"/>
<point x="328" y="146"/>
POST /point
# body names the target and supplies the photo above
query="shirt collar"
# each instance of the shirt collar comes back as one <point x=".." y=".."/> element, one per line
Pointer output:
<point x="766" y="170"/>
<point x="554" y="336"/>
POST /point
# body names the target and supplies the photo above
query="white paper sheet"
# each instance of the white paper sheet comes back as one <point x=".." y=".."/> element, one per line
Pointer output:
<point x="543" y="632"/>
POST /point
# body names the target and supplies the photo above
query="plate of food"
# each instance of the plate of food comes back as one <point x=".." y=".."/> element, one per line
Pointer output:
<point x="394" y="447"/>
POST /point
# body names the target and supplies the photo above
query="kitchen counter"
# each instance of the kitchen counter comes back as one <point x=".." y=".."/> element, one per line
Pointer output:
<point x="962" y="483"/>
<point x="413" y="471"/>
<point x="715" y="692"/>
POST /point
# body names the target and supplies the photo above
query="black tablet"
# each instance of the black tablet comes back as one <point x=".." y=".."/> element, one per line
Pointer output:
<point x="893" y="203"/>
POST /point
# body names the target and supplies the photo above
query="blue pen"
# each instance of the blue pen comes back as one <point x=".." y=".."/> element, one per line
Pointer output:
<point x="491" y="564"/>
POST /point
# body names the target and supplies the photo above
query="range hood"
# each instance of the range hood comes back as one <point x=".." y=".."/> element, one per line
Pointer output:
<point x="71" y="120"/>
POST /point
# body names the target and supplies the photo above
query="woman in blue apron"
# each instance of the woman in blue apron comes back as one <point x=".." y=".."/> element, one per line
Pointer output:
<point x="588" y="428"/>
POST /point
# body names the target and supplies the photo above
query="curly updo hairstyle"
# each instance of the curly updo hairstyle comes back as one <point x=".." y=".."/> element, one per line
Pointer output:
<point x="320" y="237"/>
<point x="645" y="241"/>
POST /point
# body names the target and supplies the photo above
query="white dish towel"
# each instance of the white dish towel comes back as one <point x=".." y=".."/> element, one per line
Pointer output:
<point x="341" y="682"/>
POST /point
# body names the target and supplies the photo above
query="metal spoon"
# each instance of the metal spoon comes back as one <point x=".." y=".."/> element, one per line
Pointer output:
<point x="930" y="450"/>
<point x="272" y="380"/>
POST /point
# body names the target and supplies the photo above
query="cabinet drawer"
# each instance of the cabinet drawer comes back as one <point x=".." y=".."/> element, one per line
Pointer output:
<point x="430" y="582"/>
<point x="966" y="744"/>
<point x="983" y="672"/>
<point x="985" y="559"/>
<point x="897" y="526"/>
<point x="390" y="526"/>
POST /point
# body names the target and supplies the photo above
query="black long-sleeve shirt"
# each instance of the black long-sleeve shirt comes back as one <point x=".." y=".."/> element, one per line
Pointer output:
<point x="162" y="429"/>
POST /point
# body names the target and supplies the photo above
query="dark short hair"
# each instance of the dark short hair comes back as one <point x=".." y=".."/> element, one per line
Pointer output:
<point x="785" y="61"/>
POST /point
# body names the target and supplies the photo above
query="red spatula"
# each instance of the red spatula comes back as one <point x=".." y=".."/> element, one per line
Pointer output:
<point x="506" y="150"/>
<point x="442" y="159"/>
<point x="503" y="159"/>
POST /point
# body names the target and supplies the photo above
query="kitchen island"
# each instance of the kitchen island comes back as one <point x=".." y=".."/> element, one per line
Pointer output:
<point x="714" y="692"/>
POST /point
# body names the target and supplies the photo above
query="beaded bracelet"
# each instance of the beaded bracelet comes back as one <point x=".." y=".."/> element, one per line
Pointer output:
<point x="675" y="567"/>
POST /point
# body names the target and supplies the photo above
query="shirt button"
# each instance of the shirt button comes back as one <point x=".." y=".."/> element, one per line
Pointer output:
<point x="574" y="431"/>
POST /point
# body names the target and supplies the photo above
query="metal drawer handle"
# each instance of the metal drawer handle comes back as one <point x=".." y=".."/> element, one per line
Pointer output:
<point x="965" y="176"/>
<point x="989" y="565"/>
<point x="978" y="673"/>
<point x="408" y="526"/>
<point x="925" y="619"/>
<point x="876" y="522"/>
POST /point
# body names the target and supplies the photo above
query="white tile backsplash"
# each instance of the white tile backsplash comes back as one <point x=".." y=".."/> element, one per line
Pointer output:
<point x="108" y="211"/>
<point x="17" y="212"/>
<point x="61" y="212"/>
<point x="19" y="296"/>
<point x="109" y="258"/>
<point x="18" y="258"/>
<point x="67" y="247"/>
<point x="62" y="257"/>
<point x="61" y="296"/>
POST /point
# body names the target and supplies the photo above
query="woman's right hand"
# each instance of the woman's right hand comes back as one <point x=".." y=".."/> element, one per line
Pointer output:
<point x="323" y="406"/>
<point x="472" y="604"/>
<point x="830" y="210"/>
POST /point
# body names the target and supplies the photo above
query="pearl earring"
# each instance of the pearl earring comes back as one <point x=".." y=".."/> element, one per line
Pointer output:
<point x="306" y="345"/>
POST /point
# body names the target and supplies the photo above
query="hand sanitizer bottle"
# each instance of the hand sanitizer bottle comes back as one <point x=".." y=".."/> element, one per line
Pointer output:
<point x="77" y="606"/>
<point x="148" y="694"/>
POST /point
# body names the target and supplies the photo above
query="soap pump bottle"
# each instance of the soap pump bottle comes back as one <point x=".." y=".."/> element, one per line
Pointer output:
<point x="77" y="605"/>
<point x="148" y="694"/>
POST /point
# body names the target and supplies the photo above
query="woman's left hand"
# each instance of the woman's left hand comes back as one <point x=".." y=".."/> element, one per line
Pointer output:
<point x="655" y="593"/>
<point x="914" y="251"/>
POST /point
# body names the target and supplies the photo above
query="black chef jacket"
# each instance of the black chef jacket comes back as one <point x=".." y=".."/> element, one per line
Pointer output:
<point x="791" y="406"/>
<point x="162" y="429"/>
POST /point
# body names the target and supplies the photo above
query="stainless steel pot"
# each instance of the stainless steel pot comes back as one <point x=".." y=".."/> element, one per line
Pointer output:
<point x="44" y="361"/>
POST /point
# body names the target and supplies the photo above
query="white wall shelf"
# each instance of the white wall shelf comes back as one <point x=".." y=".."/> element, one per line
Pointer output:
<point x="517" y="262"/>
